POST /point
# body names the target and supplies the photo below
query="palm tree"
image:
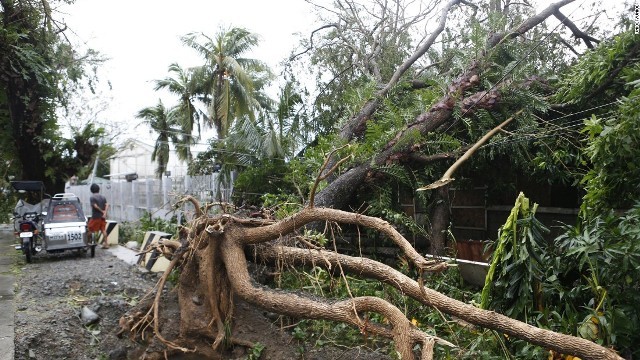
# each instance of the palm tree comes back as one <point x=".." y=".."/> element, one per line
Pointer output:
<point x="162" y="121"/>
<point x="232" y="82"/>
<point x="274" y="135"/>
<point x="186" y="114"/>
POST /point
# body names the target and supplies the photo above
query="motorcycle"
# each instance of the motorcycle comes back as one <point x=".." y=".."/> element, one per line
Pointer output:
<point x="28" y="218"/>
<point x="29" y="233"/>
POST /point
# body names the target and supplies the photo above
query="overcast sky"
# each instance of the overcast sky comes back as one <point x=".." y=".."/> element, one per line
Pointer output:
<point x="142" y="38"/>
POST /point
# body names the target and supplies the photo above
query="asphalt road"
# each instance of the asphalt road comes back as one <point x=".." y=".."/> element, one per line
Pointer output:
<point x="7" y="285"/>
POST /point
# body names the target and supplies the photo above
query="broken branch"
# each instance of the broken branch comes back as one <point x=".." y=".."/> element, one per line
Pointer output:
<point x="446" y="178"/>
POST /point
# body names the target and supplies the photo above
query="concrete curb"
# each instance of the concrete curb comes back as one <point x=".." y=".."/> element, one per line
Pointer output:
<point x="125" y="254"/>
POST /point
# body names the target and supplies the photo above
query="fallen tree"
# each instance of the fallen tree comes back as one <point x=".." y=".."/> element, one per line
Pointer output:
<point x="466" y="95"/>
<point x="211" y="255"/>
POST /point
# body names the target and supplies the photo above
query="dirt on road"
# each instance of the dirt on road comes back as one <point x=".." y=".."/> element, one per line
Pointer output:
<point x="53" y="291"/>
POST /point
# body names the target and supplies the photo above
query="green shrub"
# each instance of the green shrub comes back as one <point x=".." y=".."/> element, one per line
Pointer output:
<point x="135" y="230"/>
<point x="253" y="182"/>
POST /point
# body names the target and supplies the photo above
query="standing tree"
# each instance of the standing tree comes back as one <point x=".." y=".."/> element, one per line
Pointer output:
<point x="229" y="80"/>
<point x="39" y="70"/>
<point x="162" y="121"/>
<point x="186" y="114"/>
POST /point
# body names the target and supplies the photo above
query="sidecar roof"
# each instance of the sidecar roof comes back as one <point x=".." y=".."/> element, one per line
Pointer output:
<point x="28" y="185"/>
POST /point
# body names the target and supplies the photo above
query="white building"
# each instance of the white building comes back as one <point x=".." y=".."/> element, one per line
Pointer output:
<point x="135" y="158"/>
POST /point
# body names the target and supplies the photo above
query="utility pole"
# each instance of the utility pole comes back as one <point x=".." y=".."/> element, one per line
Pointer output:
<point x="95" y="163"/>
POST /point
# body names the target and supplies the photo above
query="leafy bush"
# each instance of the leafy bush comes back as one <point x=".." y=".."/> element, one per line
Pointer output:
<point x="587" y="283"/>
<point x="512" y="285"/>
<point x="134" y="231"/>
<point x="7" y="204"/>
<point x="614" y="147"/>
<point x="594" y="284"/>
<point x="253" y="182"/>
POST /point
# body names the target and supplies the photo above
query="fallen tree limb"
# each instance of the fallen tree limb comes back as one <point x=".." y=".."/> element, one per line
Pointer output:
<point x="447" y="177"/>
<point x="404" y="334"/>
<point x="338" y="192"/>
<point x="368" y="268"/>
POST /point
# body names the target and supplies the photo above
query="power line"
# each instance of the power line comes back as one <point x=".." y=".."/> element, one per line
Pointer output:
<point x="539" y="135"/>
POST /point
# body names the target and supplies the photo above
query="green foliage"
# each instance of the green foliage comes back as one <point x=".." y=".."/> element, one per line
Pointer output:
<point x="174" y="277"/>
<point x="513" y="280"/>
<point x="149" y="223"/>
<point x="303" y="171"/>
<point x="7" y="203"/>
<point x="127" y="231"/>
<point x="39" y="72"/>
<point x="256" y="351"/>
<point x="594" y="283"/>
<point x="161" y="120"/>
<point x="613" y="149"/>
<point x="134" y="231"/>
<point x="596" y="69"/>
<point x="383" y="202"/>
<point x="585" y="283"/>
<point x="251" y="184"/>
<point x="281" y="205"/>
<point x="599" y="91"/>
<point x="230" y="82"/>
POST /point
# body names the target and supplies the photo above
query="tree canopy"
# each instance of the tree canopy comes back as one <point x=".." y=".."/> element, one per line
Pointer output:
<point x="39" y="70"/>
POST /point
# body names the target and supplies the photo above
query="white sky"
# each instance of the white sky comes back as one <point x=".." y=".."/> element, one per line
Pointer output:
<point x="142" y="38"/>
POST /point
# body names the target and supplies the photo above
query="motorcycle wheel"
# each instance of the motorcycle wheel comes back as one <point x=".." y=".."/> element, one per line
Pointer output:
<point x="93" y="250"/>
<point x="26" y="249"/>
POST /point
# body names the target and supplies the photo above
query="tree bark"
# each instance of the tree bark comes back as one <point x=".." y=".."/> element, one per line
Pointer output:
<point x="561" y="343"/>
<point x="440" y="218"/>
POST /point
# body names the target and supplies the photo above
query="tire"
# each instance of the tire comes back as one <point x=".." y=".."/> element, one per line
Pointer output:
<point x="93" y="251"/>
<point x="26" y="249"/>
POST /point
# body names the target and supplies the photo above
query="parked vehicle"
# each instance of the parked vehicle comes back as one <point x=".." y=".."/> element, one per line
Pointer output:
<point x="62" y="227"/>
<point x="28" y="217"/>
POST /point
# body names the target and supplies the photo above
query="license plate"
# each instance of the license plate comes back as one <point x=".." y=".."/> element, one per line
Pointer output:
<point x="26" y="234"/>
<point x="58" y="237"/>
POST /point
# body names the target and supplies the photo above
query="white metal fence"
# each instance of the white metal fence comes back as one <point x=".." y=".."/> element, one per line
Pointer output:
<point x="129" y="201"/>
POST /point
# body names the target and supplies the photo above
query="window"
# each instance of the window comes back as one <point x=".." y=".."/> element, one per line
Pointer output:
<point x="65" y="212"/>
